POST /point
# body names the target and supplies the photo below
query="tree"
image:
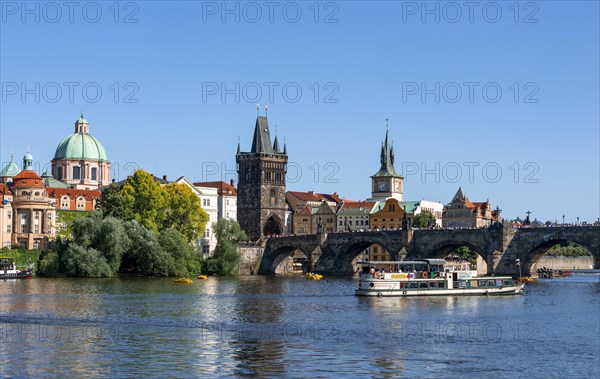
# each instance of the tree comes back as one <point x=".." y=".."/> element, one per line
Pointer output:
<point x="88" y="262"/>
<point x="183" y="211"/>
<point x="146" y="199"/>
<point x="113" y="204"/>
<point x="185" y="260"/>
<point x="226" y="258"/>
<point x="145" y="255"/>
<point x="424" y="219"/>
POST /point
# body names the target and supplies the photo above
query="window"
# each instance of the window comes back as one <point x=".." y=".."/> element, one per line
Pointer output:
<point x="37" y="215"/>
<point x="94" y="173"/>
<point x="64" y="202"/>
<point x="9" y="228"/>
<point x="49" y="216"/>
<point x="36" y="244"/>
<point x="59" y="173"/>
<point x="36" y="228"/>
<point x="227" y="215"/>
<point x="206" y="202"/>
<point x="227" y="201"/>
<point x="9" y="214"/>
<point x="23" y="223"/>
<point x="76" y="172"/>
<point x="207" y="234"/>
<point x="64" y="226"/>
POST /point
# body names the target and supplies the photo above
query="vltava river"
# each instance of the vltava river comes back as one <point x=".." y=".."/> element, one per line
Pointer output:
<point x="291" y="327"/>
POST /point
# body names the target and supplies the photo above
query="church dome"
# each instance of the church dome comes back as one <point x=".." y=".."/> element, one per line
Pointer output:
<point x="81" y="145"/>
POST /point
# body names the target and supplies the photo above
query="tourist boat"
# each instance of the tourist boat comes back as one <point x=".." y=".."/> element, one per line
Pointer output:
<point x="8" y="269"/>
<point x="430" y="277"/>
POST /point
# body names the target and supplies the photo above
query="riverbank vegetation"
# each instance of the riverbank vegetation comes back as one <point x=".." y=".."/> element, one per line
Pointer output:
<point x="142" y="229"/>
<point x="226" y="259"/>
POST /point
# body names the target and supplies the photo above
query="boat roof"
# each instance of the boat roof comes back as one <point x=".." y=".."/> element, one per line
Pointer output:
<point x="432" y="261"/>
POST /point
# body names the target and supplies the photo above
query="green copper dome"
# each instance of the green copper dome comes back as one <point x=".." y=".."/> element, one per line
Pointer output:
<point x="81" y="146"/>
<point x="11" y="169"/>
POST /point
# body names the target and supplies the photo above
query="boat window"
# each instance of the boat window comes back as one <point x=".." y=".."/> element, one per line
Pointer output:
<point x="423" y="285"/>
<point x="498" y="282"/>
<point x="431" y="284"/>
<point x="507" y="282"/>
<point x="414" y="285"/>
<point x="440" y="284"/>
<point x="482" y="283"/>
<point x="490" y="283"/>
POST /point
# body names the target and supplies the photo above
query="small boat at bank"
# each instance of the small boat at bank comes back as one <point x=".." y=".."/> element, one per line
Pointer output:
<point x="184" y="280"/>
<point x="8" y="269"/>
<point x="312" y="276"/>
<point x="202" y="277"/>
<point x="430" y="277"/>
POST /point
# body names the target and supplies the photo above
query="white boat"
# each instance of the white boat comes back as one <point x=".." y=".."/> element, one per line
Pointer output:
<point x="430" y="277"/>
<point x="8" y="269"/>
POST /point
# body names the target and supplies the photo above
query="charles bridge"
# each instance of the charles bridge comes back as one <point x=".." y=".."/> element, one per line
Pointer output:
<point x="499" y="246"/>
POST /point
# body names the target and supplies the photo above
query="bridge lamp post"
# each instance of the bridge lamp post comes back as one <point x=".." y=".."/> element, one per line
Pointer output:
<point x="577" y="220"/>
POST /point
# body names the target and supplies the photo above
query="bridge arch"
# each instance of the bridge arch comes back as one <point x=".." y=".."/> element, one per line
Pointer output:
<point x="349" y="251"/>
<point x="536" y="253"/>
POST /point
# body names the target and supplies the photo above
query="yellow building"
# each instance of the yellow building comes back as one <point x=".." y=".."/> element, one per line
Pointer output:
<point x="387" y="215"/>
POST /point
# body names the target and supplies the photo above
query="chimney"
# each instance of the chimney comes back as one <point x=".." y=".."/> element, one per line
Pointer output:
<point x="232" y="182"/>
<point x="165" y="178"/>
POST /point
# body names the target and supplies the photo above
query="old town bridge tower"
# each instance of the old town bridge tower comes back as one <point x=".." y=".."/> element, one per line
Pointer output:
<point x="261" y="205"/>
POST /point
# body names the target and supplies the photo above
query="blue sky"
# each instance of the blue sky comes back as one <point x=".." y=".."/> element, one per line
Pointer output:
<point x="189" y="73"/>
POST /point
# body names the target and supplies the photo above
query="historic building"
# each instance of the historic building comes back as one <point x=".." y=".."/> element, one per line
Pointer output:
<point x="226" y="200"/>
<point x="261" y="205"/>
<point x="463" y="213"/>
<point x="6" y="215"/>
<point x="307" y="219"/>
<point x="389" y="214"/>
<point x="80" y="159"/>
<point x="354" y="215"/>
<point x="386" y="183"/>
<point x="33" y="209"/>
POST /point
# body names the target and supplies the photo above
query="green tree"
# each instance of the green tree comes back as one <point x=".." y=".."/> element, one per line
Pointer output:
<point x="146" y="199"/>
<point x="185" y="260"/>
<point x="88" y="262"/>
<point x="466" y="254"/>
<point x="49" y="264"/>
<point x="183" y="211"/>
<point x="145" y="256"/>
<point x="113" y="203"/>
<point x="226" y="258"/>
<point x="424" y="219"/>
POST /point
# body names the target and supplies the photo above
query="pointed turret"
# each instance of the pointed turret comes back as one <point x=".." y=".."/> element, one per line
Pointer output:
<point x="261" y="143"/>
<point x="239" y="150"/>
<point x="276" y="149"/>
<point x="284" y="148"/>
<point x="387" y="159"/>
<point x="460" y="196"/>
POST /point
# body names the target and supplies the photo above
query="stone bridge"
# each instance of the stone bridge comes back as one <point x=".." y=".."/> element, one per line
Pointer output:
<point x="498" y="245"/>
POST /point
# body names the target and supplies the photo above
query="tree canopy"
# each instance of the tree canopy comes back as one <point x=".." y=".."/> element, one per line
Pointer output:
<point x="424" y="219"/>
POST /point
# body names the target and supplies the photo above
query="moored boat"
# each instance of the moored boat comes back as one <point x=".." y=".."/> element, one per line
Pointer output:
<point x="8" y="269"/>
<point x="430" y="277"/>
<point x="184" y="280"/>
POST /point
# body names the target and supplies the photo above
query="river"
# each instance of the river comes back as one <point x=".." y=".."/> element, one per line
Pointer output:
<point x="257" y="326"/>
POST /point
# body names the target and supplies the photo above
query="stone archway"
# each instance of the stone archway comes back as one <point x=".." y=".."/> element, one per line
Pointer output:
<point x="530" y="264"/>
<point x="272" y="226"/>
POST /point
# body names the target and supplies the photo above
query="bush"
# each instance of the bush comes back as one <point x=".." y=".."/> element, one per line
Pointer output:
<point x="49" y="264"/>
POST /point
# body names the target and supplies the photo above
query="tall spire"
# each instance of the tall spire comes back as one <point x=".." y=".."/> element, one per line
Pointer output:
<point x="387" y="157"/>
<point x="238" y="149"/>
<point x="261" y="143"/>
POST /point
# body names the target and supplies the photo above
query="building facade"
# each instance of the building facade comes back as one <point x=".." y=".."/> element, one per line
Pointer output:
<point x="354" y="216"/>
<point x="6" y="216"/>
<point x="463" y="213"/>
<point x="227" y="198"/>
<point x="389" y="214"/>
<point x="80" y="159"/>
<point x="261" y="205"/>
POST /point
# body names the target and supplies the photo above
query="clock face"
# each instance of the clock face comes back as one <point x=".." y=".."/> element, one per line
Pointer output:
<point x="381" y="186"/>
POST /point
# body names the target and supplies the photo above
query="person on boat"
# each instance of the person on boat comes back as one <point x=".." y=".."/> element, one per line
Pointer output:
<point x="382" y="273"/>
<point x="372" y="270"/>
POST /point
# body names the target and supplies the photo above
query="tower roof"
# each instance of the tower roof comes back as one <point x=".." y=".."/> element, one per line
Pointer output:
<point x="387" y="159"/>
<point x="261" y="143"/>
<point x="11" y="169"/>
<point x="459" y="196"/>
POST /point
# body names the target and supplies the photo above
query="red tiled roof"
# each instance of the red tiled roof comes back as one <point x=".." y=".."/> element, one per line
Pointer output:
<point x="222" y="187"/>
<point x="73" y="193"/>
<point x="358" y="204"/>
<point x="4" y="189"/>
<point x="318" y="197"/>
<point x="27" y="178"/>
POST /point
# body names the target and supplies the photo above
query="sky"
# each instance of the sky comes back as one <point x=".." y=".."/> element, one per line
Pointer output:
<point x="501" y="98"/>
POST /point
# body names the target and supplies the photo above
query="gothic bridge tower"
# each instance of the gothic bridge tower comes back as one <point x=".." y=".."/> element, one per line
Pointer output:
<point x="261" y="205"/>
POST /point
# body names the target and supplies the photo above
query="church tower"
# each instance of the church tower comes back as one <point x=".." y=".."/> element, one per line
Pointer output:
<point x="261" y="205"/>
<point x="386" y="183"/>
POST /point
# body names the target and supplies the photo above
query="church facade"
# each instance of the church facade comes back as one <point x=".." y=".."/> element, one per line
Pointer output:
<point x="261" y="204"/>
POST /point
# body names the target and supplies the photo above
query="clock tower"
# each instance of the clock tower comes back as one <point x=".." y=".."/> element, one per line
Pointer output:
<point x="386" y="183"/>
